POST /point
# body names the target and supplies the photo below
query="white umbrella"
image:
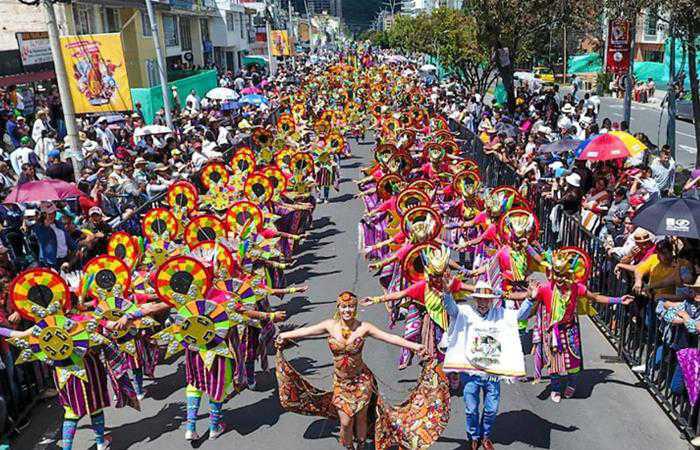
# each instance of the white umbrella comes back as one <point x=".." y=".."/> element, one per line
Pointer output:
<point x="428" y="68"/>
<point x="222" y="93"/>
<point x="150" y="130"/>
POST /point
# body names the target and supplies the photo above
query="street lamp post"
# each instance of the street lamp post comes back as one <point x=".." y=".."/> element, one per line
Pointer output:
<point x="63" y="87"/>
<point x="161" y="64"/>
<point x="671" y="93"/>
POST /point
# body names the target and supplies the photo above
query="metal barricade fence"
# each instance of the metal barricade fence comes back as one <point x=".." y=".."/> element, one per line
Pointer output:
<point x="639" y="337"/>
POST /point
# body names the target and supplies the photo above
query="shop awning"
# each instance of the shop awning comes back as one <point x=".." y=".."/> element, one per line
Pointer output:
<point x="27" y="77"/>
<point x="254" y="59"/>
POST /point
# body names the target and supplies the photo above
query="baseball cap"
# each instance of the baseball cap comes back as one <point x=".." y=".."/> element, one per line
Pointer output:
<point x="25" y="140"/>
<point x="54" y="154"/>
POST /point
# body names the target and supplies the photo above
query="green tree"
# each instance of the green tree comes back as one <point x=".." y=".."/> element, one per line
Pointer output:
<point x="450" y="36"/>
<point x="509" y="27"/>
<point x="684" y="16"/>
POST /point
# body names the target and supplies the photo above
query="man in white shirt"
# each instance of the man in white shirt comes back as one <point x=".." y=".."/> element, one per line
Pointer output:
<point x="663" y="169"/>
<point x="193" y="101"/>
<point x="104" y="135"/>
<point x="20" y="155"/>
<point x="199" y="159"/>
<point x="239" y="83"/>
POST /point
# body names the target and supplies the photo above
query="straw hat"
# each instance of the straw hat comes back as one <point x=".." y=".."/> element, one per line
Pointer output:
<point x="483" y="290"/>
<point x="573" y="179"/>
<point x="695" y="285"/>
<point x="642" y="236"/>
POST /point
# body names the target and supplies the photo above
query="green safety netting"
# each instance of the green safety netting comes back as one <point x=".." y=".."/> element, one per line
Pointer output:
<point x="643" y="70"/>
<point x="588" y="62"/>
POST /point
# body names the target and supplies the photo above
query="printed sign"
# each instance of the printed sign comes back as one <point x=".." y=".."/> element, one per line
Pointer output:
<point x="97" y="72"/>
<point x="280" y="43"/>
<point x="618" y="47"/>
<point x="34" y="48"/>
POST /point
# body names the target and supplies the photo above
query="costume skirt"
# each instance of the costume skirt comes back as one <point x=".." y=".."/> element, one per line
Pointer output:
<point x="216" y="382"/>
<point x="85" y="397"/>
<point x="416" y="423"/>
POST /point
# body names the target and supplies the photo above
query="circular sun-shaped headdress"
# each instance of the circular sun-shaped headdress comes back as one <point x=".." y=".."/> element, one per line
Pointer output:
<point x="182" y="195"/>
<point x="214" y="174"/>
<point x="244" y="214"/>
<point x="258" y="188"/>
<point x="106" y="276"/>
<point x="125" y="247"/>
<point x="413" y="265"/>
<point x="39" y="292"/>
<point x="411" y="198"/>
<point x="202" y="228"/>
<point x="159" y="224"/>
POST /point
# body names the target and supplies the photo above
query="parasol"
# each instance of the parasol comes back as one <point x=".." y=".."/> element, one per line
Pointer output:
<point x="43" y="191"/>
<point x="223" y="94"/>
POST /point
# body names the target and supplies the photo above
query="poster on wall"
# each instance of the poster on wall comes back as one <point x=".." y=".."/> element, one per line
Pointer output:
<point x="34" y="48"/>
<point x="97" y="72"/>
<point x="617" y="56"/>
<point x="280" y="43"/>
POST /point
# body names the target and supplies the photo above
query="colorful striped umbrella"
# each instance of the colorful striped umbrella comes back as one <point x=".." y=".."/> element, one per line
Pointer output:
<point x="613" y="145"/>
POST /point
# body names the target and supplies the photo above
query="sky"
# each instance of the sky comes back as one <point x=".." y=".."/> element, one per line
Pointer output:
<point x="357" y="14"/>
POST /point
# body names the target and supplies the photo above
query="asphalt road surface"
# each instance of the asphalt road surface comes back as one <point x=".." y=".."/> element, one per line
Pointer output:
<point x="650" y="119"/>
<point x="610" y="410"/>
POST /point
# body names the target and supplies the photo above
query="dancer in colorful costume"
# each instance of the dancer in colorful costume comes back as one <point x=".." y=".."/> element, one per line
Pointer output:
<point x="74" y="347"/>
<point x="416" y="424"/>
<point x="560" y="299"/>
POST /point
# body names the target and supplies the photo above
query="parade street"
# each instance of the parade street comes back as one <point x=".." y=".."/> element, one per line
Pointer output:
<point x="609" y="402"/>
<point x="651" y="120"/>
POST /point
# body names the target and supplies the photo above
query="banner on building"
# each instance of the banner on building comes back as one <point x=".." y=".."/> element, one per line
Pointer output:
<point x="34" y="48"/>
<point x="617" y="56"/>
<point x="97" y="72"/>
<point x="280" y="43"/>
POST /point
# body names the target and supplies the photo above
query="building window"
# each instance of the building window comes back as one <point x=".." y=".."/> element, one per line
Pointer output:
<point x="230" y="25"/>
<point x="152" y="72"/>
<point x="84" y="19"/>
<point x="170" y="31"/>
<point x="112" y="24"/>
<point x="654" y="56"/>
<point x="650" y="22"/>
<point x="204" y="25"/>
<point x="146" y="24"/>
<point x="186" y="34"/>
<point x="241" y="21"/>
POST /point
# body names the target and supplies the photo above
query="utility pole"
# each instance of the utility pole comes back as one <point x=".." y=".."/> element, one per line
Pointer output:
<point x="63" y="87"/>
<point x="565" y="55"/>
<point x="161" y="65"/>
<point x="268" y="31"/>
<point x="308" y="19"/>
<point x="671" y="93"/>
<point x="627" y="112"/>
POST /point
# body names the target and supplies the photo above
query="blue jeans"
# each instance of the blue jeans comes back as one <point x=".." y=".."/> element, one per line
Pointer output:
<point x="480" y="427"/>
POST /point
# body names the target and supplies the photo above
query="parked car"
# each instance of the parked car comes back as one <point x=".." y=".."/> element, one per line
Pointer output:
<point x="684" y="110"/>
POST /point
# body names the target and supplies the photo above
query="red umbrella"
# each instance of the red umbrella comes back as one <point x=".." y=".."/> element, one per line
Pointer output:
<point x="43" y="191"/>
<point x="251" y="90"/>
<point x="603" y="148"/>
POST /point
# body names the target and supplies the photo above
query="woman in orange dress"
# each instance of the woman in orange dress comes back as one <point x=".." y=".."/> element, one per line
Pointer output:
<point x="355" y="389"/>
